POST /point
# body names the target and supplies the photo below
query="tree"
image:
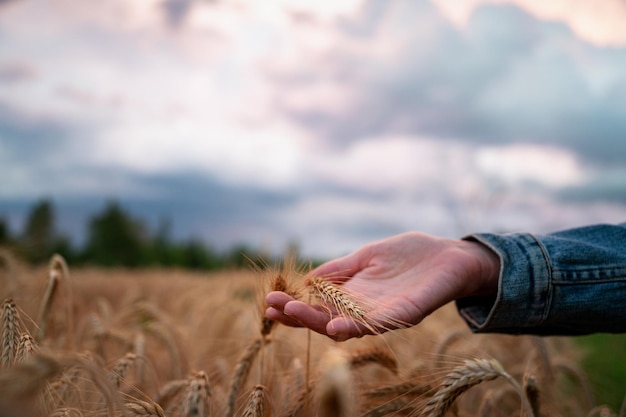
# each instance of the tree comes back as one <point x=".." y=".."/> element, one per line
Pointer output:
<point x="39" y="236"/>
<point x="115" y="238"/>
<point x="5" y="233"/>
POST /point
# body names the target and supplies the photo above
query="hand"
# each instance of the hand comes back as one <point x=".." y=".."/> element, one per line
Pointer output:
<point x="406" y="277"/>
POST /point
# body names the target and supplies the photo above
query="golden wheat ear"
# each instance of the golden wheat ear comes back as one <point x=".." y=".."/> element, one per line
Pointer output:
<point x="335" y="389"/>
<point x="280" y="277"/>
<point x="10" y="333"/>
<point x="464" y="377"/>
<point x="197" y="396"/>
<point x="361" y="310"/>
<point x="256" y="404"/>
<point x="375" y="355"/>
<point x="141" y="408"/>
<point x="242" y="369"/>
<point x="58" y="271"/>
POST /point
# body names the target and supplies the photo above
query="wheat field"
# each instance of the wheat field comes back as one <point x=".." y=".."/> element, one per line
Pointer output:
<point x="106" y="342"/>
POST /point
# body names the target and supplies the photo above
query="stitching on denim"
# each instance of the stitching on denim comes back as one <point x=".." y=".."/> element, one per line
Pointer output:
<point x="550" y="293"/>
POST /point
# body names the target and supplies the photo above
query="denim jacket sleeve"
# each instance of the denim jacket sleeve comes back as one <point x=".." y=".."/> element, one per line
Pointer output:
<point x="571" y="282"/>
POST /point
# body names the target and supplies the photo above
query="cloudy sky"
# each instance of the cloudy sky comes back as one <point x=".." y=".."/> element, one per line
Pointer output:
<point x="326" y="123"/>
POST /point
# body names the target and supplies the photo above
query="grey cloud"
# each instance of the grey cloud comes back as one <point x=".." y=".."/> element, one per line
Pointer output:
<point x="42" y="154"/>
<point x="29" y="137"/>
<point x="176" y="10"/>
<point x="507" y="77"/>
<point x="13" y="72"/>
<point x="609" y="186"/>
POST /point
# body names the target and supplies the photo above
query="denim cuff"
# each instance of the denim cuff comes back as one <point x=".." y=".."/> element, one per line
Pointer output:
<point x="524" y="286"/>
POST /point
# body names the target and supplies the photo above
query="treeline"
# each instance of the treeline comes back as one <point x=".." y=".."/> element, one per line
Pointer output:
<point x="115" y="238"/>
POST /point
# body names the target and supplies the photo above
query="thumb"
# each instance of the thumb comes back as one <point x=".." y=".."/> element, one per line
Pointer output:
<point x="344" y="267"/>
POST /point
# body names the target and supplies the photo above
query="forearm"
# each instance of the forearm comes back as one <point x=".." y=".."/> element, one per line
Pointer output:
<point x="570" y="282"/>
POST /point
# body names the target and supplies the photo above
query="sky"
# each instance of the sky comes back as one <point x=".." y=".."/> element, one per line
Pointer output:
<point x="329" y="124"/>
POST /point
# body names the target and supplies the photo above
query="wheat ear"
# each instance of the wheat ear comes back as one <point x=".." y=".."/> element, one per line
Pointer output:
<point x="196" y="403"/>
<point x="66" y="412"/>
<point x="532" y="392"/>
<point x="256" y="405"/>
<point x="278" y="283"/>
<point x="299" y="393"/>
<point x="602" y="411"/>
<point x="57" y="271"/>
<point x="10" y="333"/>
<point x="462" y="378"/>
<point x="389" y="408"/>
<point x="404" y="389"/>
<point x="242" y="369"/>
<point x="46" y="303"/>
<point x="170" y="391"/>
<point x="120" y="369"/>
<point x="375" y="355"/>
<point x="336" y="297"/>
<point x="141" y="408"/>
<point x="25" y="348"/>
<point x="335" y="388"/>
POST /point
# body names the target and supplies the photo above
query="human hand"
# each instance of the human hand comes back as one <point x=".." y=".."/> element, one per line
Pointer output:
<point x="405" y="277"/>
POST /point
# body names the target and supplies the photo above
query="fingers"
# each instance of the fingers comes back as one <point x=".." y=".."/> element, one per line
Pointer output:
<point x="284" y="309"/>
<point x="308" y="316"/>
<point x="288" y="311"/>
<point x="279" y="316"/>
<point x="276" y="300"/>
<point x="342" y="328"/>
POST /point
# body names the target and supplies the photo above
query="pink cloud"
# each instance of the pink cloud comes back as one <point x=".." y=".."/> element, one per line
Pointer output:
<point x="599" y="22"/>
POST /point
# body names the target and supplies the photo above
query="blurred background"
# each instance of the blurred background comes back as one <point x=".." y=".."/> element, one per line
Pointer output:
<point x="169" y="128"/>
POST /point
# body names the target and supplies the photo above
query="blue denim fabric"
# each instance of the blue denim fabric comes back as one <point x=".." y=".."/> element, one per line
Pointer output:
<point x="571" y="282"/>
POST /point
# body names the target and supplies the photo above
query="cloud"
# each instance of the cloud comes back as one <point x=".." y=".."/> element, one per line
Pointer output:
<point x="505" y="77"/>
<point x="599" y="22"/>
<point x="15" y="72"/>
<point x="606" y="186"/>
<point x="518" y="163"/>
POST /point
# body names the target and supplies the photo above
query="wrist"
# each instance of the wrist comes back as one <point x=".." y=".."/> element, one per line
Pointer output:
<point x="484" y="272"/>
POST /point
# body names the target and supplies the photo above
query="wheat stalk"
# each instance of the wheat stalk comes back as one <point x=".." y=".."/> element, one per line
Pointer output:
<point x="374" y="355"/>
<point x="46" y="303"/>
<point x="462" y="378"/>
<point x="404" y="388"/>
<point x="170" y="391"/>
<point x="196" y="403"/>
<point x="10" y="333"/>
<point x="256" y="406"/>
<point x="299" y="392"/>
<point x="57" y="271"/>
<point x="335" y="389"/>
<point x="167" y="336"/>
<point x="141" y="408"/>
<point x="25" y="348"/>
<point x="389" y="408"/>
<point x="242" y="369"/>
<point x="66" y="412"/>
<point x="25" y="380"/>
<point x="120" y="369"/>
<point x="532" y="392"/>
